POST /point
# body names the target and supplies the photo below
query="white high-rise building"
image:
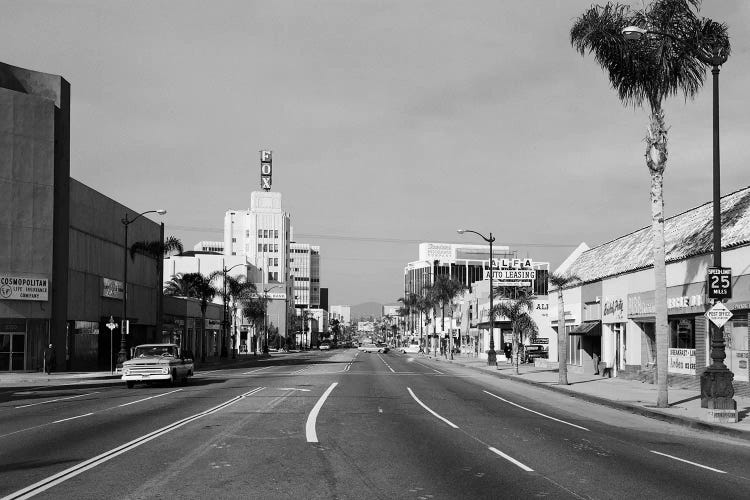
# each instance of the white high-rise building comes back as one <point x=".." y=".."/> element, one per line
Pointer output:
<point x="261" y="235"/>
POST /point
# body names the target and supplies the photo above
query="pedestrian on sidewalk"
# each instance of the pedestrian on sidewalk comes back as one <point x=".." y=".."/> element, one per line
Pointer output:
<point x="596" y="363"/>
<point x="49" y="359"/>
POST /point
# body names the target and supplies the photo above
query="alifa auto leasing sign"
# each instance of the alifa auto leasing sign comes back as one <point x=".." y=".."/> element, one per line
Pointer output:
<point x="23" y="288"/>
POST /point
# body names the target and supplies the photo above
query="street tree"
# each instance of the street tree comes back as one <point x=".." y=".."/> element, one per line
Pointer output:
<point x="445" y="290"/>
<point x="517" y="311"/>
<point x="559" y="281"/>
<point x="647" y="73"/>
<point x="254" y="309"/>
<point x="238" y="289"/>
<point x="409" y="302"/>
<point x="202" y="288"/>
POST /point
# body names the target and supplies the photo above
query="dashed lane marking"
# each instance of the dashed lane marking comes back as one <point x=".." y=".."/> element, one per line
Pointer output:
<point x="538" y="413"/>
<point x="71" y="418"/>
<point x="150" y="397"/>
<point x="511" y="459"/>
<point x="386" y="364"/>
<point x="430" y="410"/>
<point x="689" y="462"/>
<point x="56" y="400"/>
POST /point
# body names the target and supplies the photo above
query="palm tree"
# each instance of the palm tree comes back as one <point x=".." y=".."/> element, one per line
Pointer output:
<point x="517" y="312"/>
<point x="445" y="290"/>
<point x="238" y="289"/>
<point x="402" y="313"/>
<point x="178" y="286"/>
<point x="559" y="281"/>
<point x="429" y="303"/>
<point x="409" y="302"/>
<point x="649" y="72"/>
<point x="202" y="288"/>
<point x="254" y="309"/>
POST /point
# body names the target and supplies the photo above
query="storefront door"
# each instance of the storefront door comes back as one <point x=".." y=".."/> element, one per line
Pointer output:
<point x="12" y="351"/>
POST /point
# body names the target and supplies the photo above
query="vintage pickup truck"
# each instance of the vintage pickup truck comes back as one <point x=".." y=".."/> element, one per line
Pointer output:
<point x="161" y="362"/>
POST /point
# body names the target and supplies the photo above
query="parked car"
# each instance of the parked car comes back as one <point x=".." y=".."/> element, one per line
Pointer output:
<point x="534" y="351"/>
<point x="324" y="346"/>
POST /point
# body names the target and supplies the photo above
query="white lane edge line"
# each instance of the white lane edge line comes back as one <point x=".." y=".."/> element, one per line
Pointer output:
<point x="150" y="397"/>
<point x="60" y="477"/>
<point x="71" y="418"/>
<point x="429" y="368"/>
<point x="56" y="400"/>
<point x="312" y="436"/>
<point x="386" y="364"/>
<point x="430" y="410"/>
<point x="538" y="413"/>
<point x="511" y="459"/>
<point x="689" y="462"/>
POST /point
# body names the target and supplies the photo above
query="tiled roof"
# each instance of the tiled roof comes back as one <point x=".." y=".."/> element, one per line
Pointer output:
<point x="685" y="235"/>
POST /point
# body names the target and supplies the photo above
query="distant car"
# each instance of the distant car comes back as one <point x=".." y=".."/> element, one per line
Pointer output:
<point x="534" y="351"/>
<point x="412" y="348"/>
<point x="372" y="348"/>
<point x="324" y="346"/>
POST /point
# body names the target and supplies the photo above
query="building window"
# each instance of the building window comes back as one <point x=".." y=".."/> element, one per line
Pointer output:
<point x="275" y="247"/>
<point x="265" y="233"/>
<point x="270" y="261"/>
<point x="682" y="334"/>
<point x="260" y="247"/>
<point x="260" y="233"/>
<point x="265" y="247"/>
<point x="234" y="240"/>
<point x="276" y="234"/>
<point x="247" y="233"/>
<point x="276" y="261"/>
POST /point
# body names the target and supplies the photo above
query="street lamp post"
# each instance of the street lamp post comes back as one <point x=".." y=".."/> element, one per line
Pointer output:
<point x="716" y="381"/>
<point x="122" y="356"/>
<point x="491" y="355"/>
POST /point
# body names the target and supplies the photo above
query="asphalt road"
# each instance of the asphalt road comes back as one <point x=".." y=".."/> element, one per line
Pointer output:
<point x="343" y="424"/>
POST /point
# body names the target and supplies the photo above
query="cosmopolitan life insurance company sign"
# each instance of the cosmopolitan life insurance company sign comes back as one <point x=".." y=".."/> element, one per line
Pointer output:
<point x="23" y="288"/>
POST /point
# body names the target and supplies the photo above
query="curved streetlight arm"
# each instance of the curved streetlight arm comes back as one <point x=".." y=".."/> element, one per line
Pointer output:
<point x="715" y="57"/>
<point x="488" y="240"/>
<point x="127" y="221"/>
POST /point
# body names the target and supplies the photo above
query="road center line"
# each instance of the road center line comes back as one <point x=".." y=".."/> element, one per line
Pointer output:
<point x="150" y="397"/>
<point x="312" y="436"/>
<point x="71" y="418"/>
<point x="428" y="409"/>
<point x="689" y="462"/>
<point x="386" y="364"/>
<point x="75" y="470"/>
<point x="56" y="400"/>
<point x="511" y="459"/>
<point x="532" y="411"/>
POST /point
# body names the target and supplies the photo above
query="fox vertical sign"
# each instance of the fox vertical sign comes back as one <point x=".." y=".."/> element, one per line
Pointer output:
<point x="265" y="170"/>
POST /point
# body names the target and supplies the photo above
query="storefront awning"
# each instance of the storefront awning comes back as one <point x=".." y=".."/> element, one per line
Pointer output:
<point x="588" y="329"/>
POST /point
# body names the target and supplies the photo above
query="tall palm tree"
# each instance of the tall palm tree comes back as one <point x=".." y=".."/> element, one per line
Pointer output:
<point x="445" y="290"/>
<point x="647" y="73"/>
<point x="238" y="289"/>
<point x="409" y="302"/>
<point x="402" y="313"/>
<point x="559" y="281"/>
<point x="254" y="309"/>
<point x="177" y="286"/>
<point x="422" y="306"/>
<point x="202" y="288"/>
<point x="430" y="304"/>
<point x="517" y="312"/>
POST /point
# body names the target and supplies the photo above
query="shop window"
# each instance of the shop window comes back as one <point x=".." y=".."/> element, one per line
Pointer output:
<point x="736" y="346"/>
<point x="682" y="334"/>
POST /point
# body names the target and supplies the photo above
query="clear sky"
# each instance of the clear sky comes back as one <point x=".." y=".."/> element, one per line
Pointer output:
<point x="391" y="122"/>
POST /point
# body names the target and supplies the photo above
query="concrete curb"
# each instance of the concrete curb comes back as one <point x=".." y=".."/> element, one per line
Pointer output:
<point x="617" y="405"/>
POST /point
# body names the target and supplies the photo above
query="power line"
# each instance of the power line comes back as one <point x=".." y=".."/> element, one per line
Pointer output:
<point x="372" y="239"/>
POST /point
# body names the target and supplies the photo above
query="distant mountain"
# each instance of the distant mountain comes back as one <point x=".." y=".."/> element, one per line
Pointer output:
<point x="366" y="310"/>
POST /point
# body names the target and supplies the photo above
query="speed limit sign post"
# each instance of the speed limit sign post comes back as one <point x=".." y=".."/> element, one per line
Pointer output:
<point x="719" y="283"/>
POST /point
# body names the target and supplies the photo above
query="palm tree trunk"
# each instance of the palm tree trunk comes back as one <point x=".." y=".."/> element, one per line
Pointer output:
<point x="434" y="331"/>
<point x="656" y="160"/>
<point x="562" y="341"/>
<point x="515" y="347"/>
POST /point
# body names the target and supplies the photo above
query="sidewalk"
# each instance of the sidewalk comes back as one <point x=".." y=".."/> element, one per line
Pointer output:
<point x="628" y="395"/>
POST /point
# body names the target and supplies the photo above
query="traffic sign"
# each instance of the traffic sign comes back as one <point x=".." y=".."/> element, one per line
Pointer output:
<point x="111" y="325"/>
<point x="719" y="282"/>
<point x="719" y="314"/>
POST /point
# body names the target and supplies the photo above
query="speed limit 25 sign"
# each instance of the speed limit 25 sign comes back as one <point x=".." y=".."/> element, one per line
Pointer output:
<point x="719" y="283"/>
